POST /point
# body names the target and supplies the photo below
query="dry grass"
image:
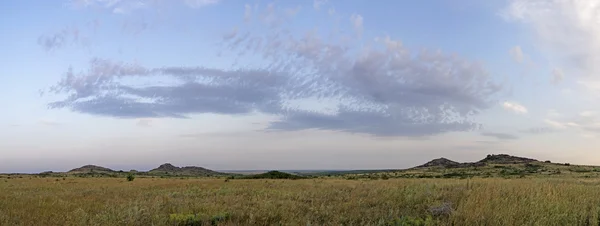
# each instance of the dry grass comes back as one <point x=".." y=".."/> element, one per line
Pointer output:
<point x="148" y="201"/>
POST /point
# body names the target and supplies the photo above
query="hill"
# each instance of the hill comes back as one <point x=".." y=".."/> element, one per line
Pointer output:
<point x="91" y="169"/>
<point x="499" y="165"/>
<point x="441" y="162"/>
<point x="506" y="159"/>
<point x="273" y="175"/>
<point x="171" y="170"/>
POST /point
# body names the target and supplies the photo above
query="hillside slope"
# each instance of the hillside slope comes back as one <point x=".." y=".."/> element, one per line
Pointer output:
<point x="171" y="170"/>
<point x="91" y="169"/>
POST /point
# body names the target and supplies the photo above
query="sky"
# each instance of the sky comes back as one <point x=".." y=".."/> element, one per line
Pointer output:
<point x="323" y="84"/>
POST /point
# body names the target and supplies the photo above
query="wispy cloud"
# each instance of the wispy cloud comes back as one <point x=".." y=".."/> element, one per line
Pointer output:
<point x="200" y="3"/>
<point x="514" y="107"/>
<point x="501" y="136"/>
<point x="538" y="130"/>
<point x="48" y="122"/>
<point x="145" y="122"/>
<point x="557" y="75"/>
<point x="357" y="23"/>
<point x="129" y="6"/>
<point x="567" y="29"/>
<point x="517" y="54"/>
<point x="318" y="3"/>
<point x="59" y="39"/>
<point x="385" y="91"/>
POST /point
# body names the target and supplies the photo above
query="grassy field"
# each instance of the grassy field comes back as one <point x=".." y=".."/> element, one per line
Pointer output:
<point x="397" y="201"/>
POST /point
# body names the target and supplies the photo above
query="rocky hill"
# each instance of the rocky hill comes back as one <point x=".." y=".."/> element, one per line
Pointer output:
<point x="273" y="175"/>
<point x="490" y="159"/>
<point x="506" y="159"/>
<point x="171" y="170"/>
<point x="91" y="169"/>
<point x="441" y="162"/>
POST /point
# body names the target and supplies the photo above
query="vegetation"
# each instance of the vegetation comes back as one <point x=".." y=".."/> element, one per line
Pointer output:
<point x="498" y="190"/>
<point x="169" y="170"/>
<point x="329" y="201"/>
<point x="130" y="177"/>
<point x="273" y="175"/>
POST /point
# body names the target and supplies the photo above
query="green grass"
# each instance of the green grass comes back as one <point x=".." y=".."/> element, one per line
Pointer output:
<point x="337" y="201"/>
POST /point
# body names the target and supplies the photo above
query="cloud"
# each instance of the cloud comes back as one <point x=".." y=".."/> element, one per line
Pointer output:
<point x="293" y="11"/>
<point x="357" y="23"/>
<point x="517" y="54"/>
<point x="129" y="6"/>
<point x="587" y="113"/>
<point x="557" y="75"/>
<point x="501" y="136"/>
<point x="114" y="6"/>
<point x="145" y="122"/>
<point x="247" y="12"/>
<point x="514" y="107"/>
<point x="200" y="3"/>
<point x="318" y="3"/>
<point x="552" y="113"/>
<point x="487" y="142"/>
<point x="567" y="30"/>
<point x="538" y="130"/>
<point x="59" y="39"/>
<point x="555" y="124"/>
<point x="585" y="122"/>
<point x="331" y="11"/>
<point x="384" y="90"/>
<point x="47" y="122"/>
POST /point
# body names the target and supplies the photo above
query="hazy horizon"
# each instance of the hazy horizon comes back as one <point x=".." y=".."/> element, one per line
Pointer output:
<point x="65" y="168"/>
<point x="316" y="84"/>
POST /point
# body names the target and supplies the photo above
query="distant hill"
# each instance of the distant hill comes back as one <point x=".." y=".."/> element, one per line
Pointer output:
<point x="490" y="159"/>
<point x="273" y="175"/>
<point x="91" y="169"/>
<point x="169" y="169"/>
<point x="497" y="165"/>
<point x="506" y="159"/>
<point x="163" y="170"/>
<point x="441" y="162"/>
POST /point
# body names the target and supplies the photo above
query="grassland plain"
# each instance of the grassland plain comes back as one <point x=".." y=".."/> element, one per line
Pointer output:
<point x="326" y="201"/>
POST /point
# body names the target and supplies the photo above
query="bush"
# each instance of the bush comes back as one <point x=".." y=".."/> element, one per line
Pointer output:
<point x="130" y="177"/>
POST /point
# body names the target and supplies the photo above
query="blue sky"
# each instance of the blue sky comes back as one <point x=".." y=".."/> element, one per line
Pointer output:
<point x="131" y="84"/>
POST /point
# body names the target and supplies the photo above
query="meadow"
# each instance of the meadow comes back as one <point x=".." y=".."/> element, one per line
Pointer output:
<point x="32" y="200"/>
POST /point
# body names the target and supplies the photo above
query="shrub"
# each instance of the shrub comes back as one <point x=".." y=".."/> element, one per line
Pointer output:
<point x="214" y="220"/>
<point x="130" y="177"/>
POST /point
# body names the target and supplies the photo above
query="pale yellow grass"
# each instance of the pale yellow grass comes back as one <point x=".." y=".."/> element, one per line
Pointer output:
<point x="148" y="201"/>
